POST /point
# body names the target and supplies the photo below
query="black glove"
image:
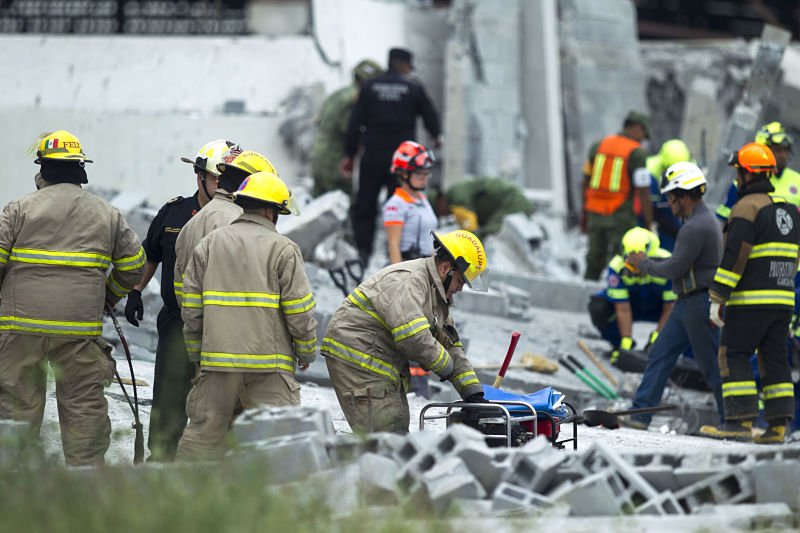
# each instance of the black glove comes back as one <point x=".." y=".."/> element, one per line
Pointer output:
<point x="134" y="308"/>
<point x="475" y="398"/>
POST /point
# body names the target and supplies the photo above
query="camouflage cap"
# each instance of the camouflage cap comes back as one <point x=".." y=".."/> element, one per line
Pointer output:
<point x="366" y="69"/>
<point x="637" y="117"/>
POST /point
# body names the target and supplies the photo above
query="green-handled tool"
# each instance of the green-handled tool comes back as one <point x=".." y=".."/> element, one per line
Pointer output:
<point x="586" y="381"/>
<point x="575" y="361"/>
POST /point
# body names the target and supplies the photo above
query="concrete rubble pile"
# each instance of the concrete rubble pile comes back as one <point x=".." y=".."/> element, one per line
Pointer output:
<point x="456" y="472"/>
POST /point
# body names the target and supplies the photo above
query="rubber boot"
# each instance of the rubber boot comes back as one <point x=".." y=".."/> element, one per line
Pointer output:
<point x="775" y="434"/>
<point x="740" y="430"/>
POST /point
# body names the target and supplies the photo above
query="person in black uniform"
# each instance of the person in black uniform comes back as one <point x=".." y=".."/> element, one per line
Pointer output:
<point x="174" y="371"/>
<point x="384" y="116"/>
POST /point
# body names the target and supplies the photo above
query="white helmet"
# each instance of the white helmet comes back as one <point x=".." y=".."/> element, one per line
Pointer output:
<point x="685" y="176"/>
<point x="212" y="154"/>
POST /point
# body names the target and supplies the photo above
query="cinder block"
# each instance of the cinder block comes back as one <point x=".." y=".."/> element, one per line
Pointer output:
<point x="378" y="479"/>
<point x="416" y="443"/>
<point x="601" y="457"/>
<point x="657" y="469"/>
<point x="344" y="449"/>
<point x="288" y="458"/>
<point x="664" y="503"/>
<point x="730" y="486"/>
<point x="600" y="494"/>
<point x="697" y="467"/>
<point x="509" y="498"/>
<point x="535" y="467"/>
<point x="263" y="423"/>
<point x="387" y="444"/>
<point x="777" y="482"/>
<point x="478" y="509"/>
<point x="450" y="479"/>
<point x="338" y="488"/>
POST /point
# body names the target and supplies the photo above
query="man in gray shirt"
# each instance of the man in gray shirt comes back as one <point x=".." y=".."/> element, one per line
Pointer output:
<point x="698" y="251"/>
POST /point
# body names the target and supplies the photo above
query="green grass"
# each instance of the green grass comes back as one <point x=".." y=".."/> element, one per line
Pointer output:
<point x="210" y="497"/>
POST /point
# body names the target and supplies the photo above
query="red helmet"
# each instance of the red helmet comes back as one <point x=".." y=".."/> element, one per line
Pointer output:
<point x="411" y="156"/>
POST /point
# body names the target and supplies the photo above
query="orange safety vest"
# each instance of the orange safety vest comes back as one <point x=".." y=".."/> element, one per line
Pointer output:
<point x="609" y="181"/>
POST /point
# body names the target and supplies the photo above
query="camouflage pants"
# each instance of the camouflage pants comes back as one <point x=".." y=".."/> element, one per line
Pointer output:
<point x="82" y="369"/>
<point x="605" y="234"/>
<point x="370" y="404"/>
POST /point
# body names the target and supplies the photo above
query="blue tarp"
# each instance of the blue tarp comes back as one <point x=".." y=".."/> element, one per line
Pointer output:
<point x="543" y="400"/>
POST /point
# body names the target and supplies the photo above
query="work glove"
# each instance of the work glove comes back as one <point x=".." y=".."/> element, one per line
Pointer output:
<point x="475" y="398"/>
<point x="715" y="314"/>
<point x="651" y="340"/>
<point x="625" y="344"/>
<point x="134" y="308"/>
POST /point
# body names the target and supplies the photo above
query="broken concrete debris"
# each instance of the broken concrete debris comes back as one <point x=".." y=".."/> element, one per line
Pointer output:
<point x="455" y="471"/>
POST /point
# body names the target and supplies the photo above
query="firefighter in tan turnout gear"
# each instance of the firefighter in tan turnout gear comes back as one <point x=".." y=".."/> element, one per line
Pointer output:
<point x="249" y="317"/>
<point x="754" y="286"/>
<point x="402" y="314"/>
<point x="56" y="245"/>
<point x="220" y="211"/>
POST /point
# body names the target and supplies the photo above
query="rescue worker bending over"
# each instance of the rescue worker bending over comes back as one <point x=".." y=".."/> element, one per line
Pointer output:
<point x="631" y="296"/>
<point x="402" y="314"/>
<point x="754" y="286"/>
<point x="174" y="371"/>
<point x="56" y="245"/>
<point x="220" y="211"/>
<point x="249" y="317"/>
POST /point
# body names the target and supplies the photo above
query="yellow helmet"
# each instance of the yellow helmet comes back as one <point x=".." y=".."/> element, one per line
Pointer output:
<point x="467" y="253"/>
<point x="674" y="151"/>
<point x="640" y="240"/>
<point x="268" y="188"/>
<point x="212" y="154"/>
<point x="774" y="134"/>
<point x="250" y="162"/>
<point x="59" y="144"/>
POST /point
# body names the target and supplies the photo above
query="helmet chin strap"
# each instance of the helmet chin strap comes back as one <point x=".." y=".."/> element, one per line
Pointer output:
<point x="205" y="190"/>
<point x="407" y="180"/>
<point x="447" y="279"/>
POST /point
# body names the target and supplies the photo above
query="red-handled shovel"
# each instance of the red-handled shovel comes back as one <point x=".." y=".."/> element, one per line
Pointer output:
<point x="511" y="347"/>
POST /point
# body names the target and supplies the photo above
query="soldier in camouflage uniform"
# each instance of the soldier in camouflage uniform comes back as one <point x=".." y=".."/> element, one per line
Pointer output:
<point x="480" y="204"/>
<point x="332" y="128"/>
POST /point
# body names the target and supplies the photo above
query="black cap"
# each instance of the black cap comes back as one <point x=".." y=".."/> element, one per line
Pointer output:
<point x="401" y="54"/>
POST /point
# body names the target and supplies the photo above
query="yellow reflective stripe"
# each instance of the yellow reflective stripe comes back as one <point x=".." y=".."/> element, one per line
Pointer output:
<point x="178" y="287"/>
<point x="35" y="325"/>
<point x="3" y="255"/>
<point x="54" y="257"/>
<point x="442" y="361"/>
<point x="597" y="171"/>
<point x="669" y="296"/>
<point x="724" y="211"/>
<point x="616" y="174"/>
<point x="365" y="361"/>
<point x="309" y="346"/>
<point x="133" y="262"/>
<point x="410" y="328"/>
<point x="114" y="286"/>
<point x="300" y="305"/>
<point x="774" y="249"/>
<point x="362" y="302"/>
<point x="240" y="299"/>
<point x="191" y="299"/>
<point x="618" y="294"/>
<point x="193" y="345"/>
<point x="458" y="344"/>
<point x="762" y="297"/>
<point x="739" y="388"/>
<point x="778" y="390"/>
<point x="726" y="277"/>
<point x="657" y="281"/>
<point x="239" y="360"/>
<point x="466" y="379"/>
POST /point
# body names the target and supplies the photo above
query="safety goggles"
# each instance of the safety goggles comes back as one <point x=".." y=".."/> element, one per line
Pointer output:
<point x="780" y="139"/>
<point x="422" y="161"/>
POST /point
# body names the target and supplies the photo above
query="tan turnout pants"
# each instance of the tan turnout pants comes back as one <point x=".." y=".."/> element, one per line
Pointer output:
<point x="369" y="402"/>
<point x="214" y="397"/>
<point x="82" y="369"/>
